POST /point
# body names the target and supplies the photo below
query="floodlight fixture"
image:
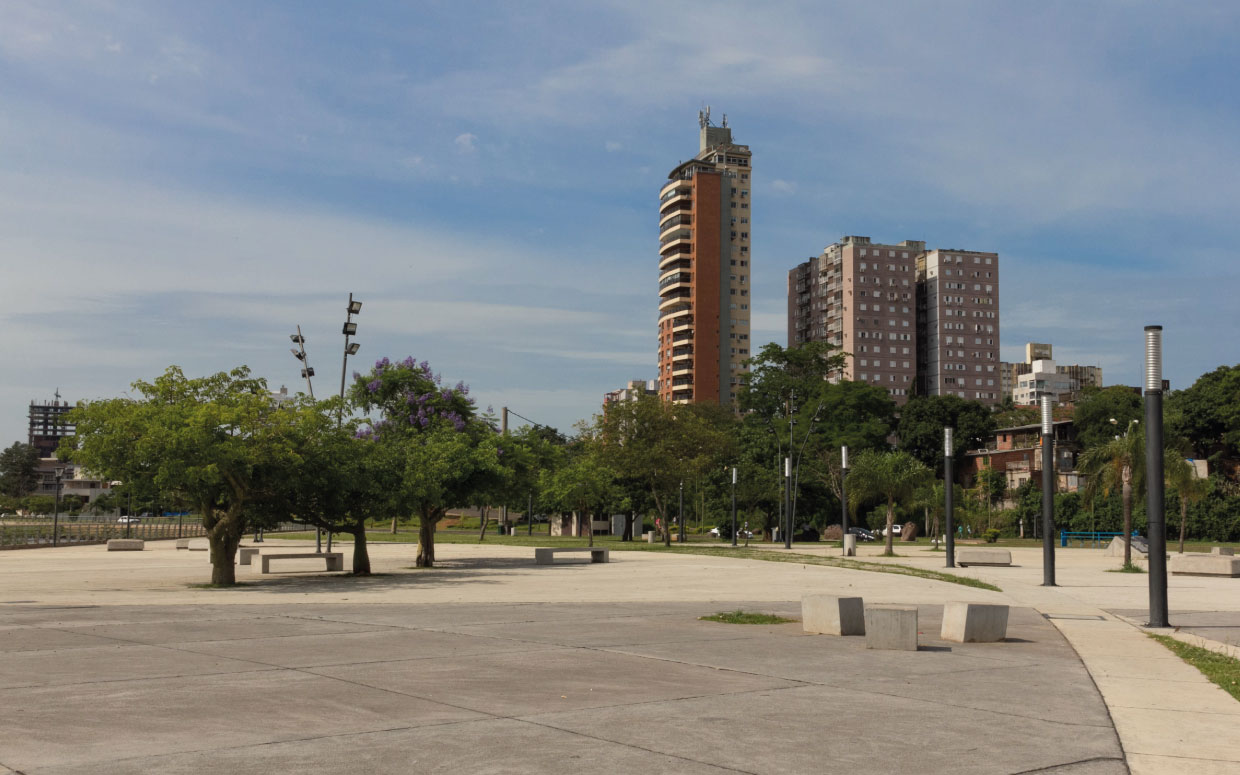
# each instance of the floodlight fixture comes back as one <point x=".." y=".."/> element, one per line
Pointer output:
<point x="354" y="307"/>
<point x="350" y="329"/>
<point x="297" y="338"/>
<point x="353" y="348"/>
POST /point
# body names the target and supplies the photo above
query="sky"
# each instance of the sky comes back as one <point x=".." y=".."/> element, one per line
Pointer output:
<point x="186" y="183"/>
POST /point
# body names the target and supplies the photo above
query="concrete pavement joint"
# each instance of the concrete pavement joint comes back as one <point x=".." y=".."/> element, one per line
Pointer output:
<point x="1053" y="767"/>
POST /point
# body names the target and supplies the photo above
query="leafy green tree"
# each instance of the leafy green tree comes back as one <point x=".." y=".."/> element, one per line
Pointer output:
<point x="1189" y="488"/>
<point x="449" y="456"/>
<point x="777" y="374"/>
<point x="583" y="486"/>
<point x="19" y="474"/>
<point x="218" y="442"/>
<point x="890" y="476"/>
<point x="1093" y="415"/>
<point x="923" y="419"/>
<point x="992" y="485"/>
<point x="1208" y="413"/>
<point x="1118" y="464"/>
<point x="39" y="504"/>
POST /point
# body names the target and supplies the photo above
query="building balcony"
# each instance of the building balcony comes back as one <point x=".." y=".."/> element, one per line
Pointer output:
<point x="675" y="280"/>
<point x="682" y="354"/>
<point x="677" y="310"/>
<point x="682" y="367"/>
<point x="673" y="259"/>
<point x="682" y="321"/>
<point x="678" y="233"/>
<point x="673" y="219"/>
<point x="680" y="203"/>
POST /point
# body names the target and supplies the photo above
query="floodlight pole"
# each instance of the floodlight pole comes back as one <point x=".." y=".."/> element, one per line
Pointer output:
<point x="305" y="365"/>
<point x="351" y="310"/>
<point x="1048" y="494"/>
<point x="947" y="497"/>
<point x="1154" y="506"/>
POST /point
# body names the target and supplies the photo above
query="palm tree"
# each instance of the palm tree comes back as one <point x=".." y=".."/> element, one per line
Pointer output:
<point x="1191" y="488"/>
<point x="1118" y="463"/>
<point x="887" y="475"/>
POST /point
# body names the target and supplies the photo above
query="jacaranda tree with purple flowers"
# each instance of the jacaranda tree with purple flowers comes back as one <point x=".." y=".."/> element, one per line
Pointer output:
<point x="448" y="454"/>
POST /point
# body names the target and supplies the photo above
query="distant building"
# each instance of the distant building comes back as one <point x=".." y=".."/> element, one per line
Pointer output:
<point x="1043" y="380"/>
<point x="704" y="288"/>
<point x="1016" y="452"/>
<point x="48" y="425"/>
<point x="1010" y="373"/>
<point x="632" y="391"/>
<point x="958" y="324"/>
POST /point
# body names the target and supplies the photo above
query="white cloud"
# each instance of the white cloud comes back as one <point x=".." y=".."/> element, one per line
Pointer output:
<point x="611" y="146"/>
<point x="783" y="186"/>
<point x="465" y="142"/>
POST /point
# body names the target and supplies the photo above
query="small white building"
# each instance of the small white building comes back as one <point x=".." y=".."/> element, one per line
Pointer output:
<point x="1043" y="380"/>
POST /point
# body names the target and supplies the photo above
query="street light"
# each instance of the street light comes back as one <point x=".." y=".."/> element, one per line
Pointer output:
<point x="1154" y="477"/>
<point x="299" y="352"/>
<point x="843" y="499"/>
<point x="947" y="497"/>
<point x="60" y="475"/>
<point x="734" y="505"/>
<point x="350" y="348"/>
<point x="1048" y="493"/>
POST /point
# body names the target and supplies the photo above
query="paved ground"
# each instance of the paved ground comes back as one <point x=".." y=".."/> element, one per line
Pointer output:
<point x="532" y="688"/>
<point x="112" y="658"/>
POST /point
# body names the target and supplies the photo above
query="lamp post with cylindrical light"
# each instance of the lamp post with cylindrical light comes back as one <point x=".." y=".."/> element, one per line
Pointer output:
<point x="843" y="497"/>
<point x="60" y="475"/>
<point x="947" y="497"/>
<point x="1048" y="494"/>
<point x="734" y="505"/>
<point x="1154" y="477"/>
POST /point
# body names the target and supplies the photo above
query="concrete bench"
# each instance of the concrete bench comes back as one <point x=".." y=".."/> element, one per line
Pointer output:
<point x="183" y="543"/>
<point x="335" y="560"/>
<point x="125" y="544"/>
<point x="891" y="627"/>
<point x="245" y="554"/>
<point x="974" y="622"/>
<point x="1198" y="564"/>
<point x="1226" y="551"/>
<point x="197" y="544"/>
<point x="543" y="555"/>
<point x="832" y="615"/>
<point x="978" y="556"/>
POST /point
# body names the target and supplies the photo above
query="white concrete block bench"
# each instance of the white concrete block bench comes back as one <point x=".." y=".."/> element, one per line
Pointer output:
<point x="335" y="560"/>
<point x="245" y="554"/>
<point x="1200" y="564"/>
<point x="198" y="544"/>
<point x="1226" y="551"/>
<point x="832" y="615"/>
<point x="974" y="622"/>
<point x="183" y="543"/>
<point x="543" y="555"/>
<point x="979" y="556"/>
<point x="891" y="627"/>
<point x="125" y="544"/>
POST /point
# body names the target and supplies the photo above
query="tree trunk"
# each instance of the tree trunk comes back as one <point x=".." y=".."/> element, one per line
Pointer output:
<point x="589" y="526"/>
<point x="1126" y="495"/>
<point x="223" y="539"/>
<point x="927" y="516"/>
<point x="628" y="527"/>
<point x="393" y="526"/>
<point x="361" y="557"/>
<point x="891" y="516"/>
<point x="426" y="540"/>
<point x="484" y="518"/>
<point x="1183" y="520"/>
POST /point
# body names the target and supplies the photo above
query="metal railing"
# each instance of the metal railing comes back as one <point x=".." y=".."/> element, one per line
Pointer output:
<point x="41" y="531"/>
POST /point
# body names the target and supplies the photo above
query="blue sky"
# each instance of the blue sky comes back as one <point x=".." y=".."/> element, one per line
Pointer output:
<point x="187" y="182"/>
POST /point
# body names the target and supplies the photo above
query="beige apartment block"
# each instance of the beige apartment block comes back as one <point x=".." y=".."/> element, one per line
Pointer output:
<point x="1011" y="373"/>
<point x="958" y="324"/>
<point x="862" y="297"/>
<point x="704" y="270"/>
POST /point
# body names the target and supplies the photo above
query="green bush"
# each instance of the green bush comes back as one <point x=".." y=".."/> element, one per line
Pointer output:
<point x="991" y="535"/>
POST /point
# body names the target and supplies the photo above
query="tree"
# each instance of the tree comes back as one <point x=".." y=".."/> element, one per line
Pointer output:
<point x="1117" y="464"/>
<point x="992" y="485"/>
<point x="1190" y="488"/>
<point x="448" y="455"/>
<point x="890" y="476"/>
<point x="218" y="442"/>
<point x="1093" y="415"/>
<point x="19" y="470"/>
<point x="775" y="374"/>
<point x="582" y="486"/>
<point x="923" y="419"/>
<point x="1208" y="414"/>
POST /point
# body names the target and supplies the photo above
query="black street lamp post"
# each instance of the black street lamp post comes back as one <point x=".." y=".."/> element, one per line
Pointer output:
<point x="734" y="505"/>
<point x="1048" y="494"/>
<point x="681" y="518"/>
<point x="1154" y="506"/>
<point x="947" y="497"/>
<point x="60" y="475"/>
<point x="843" y="499"/>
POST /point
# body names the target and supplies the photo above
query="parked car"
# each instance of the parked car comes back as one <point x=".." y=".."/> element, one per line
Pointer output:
<point x="714" y="531"/>
<point x="861" y="533"/>
<point x="128" y="520"/>
<point x="895" y="530"/>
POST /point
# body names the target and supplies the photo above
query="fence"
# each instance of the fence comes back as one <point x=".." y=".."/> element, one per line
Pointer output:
<point x="36" y="532"/>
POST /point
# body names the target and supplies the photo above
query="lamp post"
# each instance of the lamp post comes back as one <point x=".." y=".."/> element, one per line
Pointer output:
<point x="796" y="479"/>
<point x="680" y="520"/>
<point x="843" y="496"/>
<point x="734" y="505"/>
<point x="789" y="408"/>
<point x="1048" y="494"/>
<point x="1154" y="477"/>
<point x="947" y="497"/>
<point x="299" y="352"/>
<point x="350" y="328"/>
<point x="60" y="475"/>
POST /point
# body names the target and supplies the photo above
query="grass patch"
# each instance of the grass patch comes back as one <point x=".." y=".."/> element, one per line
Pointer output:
<point x="712" y="547"/>
<point x="1129" y="568"/>
<point x="1219" y="668"/>
<point x="745" y="617"/>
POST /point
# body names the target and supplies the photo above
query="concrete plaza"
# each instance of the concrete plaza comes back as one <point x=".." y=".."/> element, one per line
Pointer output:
<point x="115" y="663"/>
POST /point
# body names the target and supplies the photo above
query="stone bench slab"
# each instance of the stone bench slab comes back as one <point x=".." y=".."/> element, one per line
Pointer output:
<point x="545" y="555"/>
<point x="891" y="627"/>
<point x="335" y="560"/>
<point x="1199" y="564"/>
<point x="974" y="622"/>
<point x="245" y="555"/>
<point x="978" y="556"/>
<point x="125" y="544"/>
<point x="183" y="543"/>
<point x="832" y="615"/>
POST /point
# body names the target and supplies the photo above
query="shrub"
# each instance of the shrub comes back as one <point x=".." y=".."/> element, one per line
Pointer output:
<point x="991" y="536"/>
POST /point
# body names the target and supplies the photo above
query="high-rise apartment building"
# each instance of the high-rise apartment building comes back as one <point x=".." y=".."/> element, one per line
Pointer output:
<point x="704" y="262"/>
<point x="1082" y="376"/>
<point x="913" y="321"/>
<point x="958" y="324"/>
<point x="48" y="426"/>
